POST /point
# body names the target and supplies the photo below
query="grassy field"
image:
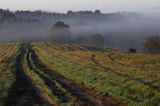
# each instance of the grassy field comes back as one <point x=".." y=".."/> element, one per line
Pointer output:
<point x="53" y="74"/>
<point x="7" y="69"/>
<point x="130" y="78"/>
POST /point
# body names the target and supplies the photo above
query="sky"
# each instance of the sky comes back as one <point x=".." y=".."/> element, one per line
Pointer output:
<point x="75" y="5"/>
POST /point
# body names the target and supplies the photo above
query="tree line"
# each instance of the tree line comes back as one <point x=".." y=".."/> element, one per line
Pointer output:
<point x="61" y="33"/>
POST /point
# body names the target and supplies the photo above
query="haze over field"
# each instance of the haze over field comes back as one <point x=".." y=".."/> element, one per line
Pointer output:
<point x="80" y="52"/>
<point x="123" y="23"/>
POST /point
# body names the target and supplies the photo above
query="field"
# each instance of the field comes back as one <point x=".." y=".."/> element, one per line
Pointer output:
<point x="7" y="69"/>
<point x="71" y="75"/>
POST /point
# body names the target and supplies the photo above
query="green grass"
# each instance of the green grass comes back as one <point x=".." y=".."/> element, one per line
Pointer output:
<point x="129" y="78"/>
<point x="116" y="74"/>
<point x="40" y="81"/>
<point x="7" y="76"/>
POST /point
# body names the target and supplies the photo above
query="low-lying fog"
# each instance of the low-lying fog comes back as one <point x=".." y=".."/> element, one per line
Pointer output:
<point x="120" y="31"/>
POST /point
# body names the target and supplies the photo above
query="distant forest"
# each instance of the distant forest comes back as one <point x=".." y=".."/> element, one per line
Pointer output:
<point x="121" y="30"/>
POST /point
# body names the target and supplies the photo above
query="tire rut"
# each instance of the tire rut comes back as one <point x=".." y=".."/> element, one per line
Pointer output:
<point x="75" y="89"/>
<point x="22" y="93"/>
<point x="49" y="82"/>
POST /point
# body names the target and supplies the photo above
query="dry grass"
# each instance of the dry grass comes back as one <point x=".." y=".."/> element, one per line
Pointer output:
<point x="7" y="62"/>
<point x="132" y="78"/>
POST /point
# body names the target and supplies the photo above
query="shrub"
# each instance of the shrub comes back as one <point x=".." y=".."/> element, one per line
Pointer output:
<point x="152" y="44"/>
<point x="132" y="50"/>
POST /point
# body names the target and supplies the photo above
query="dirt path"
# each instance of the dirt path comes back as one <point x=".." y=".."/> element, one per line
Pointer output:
<point x="48" y="81"/>
<point x="22" y="92"/>
<point x="83" y="94"/>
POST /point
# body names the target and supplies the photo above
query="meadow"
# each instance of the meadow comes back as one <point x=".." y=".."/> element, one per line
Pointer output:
<point x="7" y="69"/>
<point x="130" y="78"/>
<point x="52" y="74"/>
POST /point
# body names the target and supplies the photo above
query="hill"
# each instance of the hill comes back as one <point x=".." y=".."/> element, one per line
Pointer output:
<point x="63" y="74"/>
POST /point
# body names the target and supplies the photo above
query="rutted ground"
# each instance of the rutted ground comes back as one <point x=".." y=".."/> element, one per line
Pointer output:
<point x="79" y="94"/>
<point x="22" y="92"/>
<point x="36" y="84"/>
<point x="47" y="74"/>
<point x="130" y="78"/>
<point x="7" y="61"/>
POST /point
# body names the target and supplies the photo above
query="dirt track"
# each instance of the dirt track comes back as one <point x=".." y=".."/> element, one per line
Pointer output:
<point x="84" y="95"/>
<point x="23" y="92"/>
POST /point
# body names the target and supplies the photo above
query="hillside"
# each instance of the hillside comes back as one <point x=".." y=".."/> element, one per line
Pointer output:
<point x="63" y="74"/>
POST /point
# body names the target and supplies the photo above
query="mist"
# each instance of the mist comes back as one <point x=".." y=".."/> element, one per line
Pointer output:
<point x="120" y="30"/>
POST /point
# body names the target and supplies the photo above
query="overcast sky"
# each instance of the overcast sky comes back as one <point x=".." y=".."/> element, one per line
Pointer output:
<point x="65" y="5"/>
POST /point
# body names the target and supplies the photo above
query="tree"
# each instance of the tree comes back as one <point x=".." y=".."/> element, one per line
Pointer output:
<point x="152" y="44"/>
<point x="97" y="12"/>
<point x="60" y="24"/>
<point x="70" y="13"/>
<point x="6" y="16"/>
<point x="60" y="32"/>
<point x="132" y="50"/>
<point x="96" y="40"/>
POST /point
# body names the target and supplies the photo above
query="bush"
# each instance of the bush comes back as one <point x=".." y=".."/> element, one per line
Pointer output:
<point x="60" y="33"/>
<point x="96" y="40"/>
<point x="152" y="44"/>
<point x="132" y="50"/>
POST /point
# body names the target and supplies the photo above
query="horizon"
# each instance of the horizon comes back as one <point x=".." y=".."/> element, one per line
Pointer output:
<point x="62" y="6"/>
<point x="153" y="12"/>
